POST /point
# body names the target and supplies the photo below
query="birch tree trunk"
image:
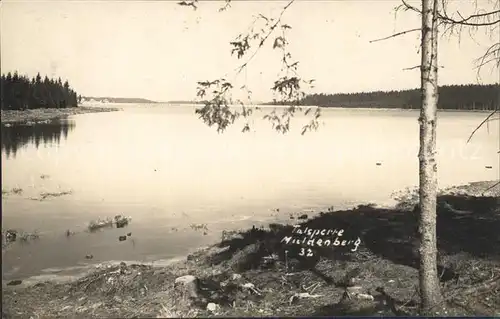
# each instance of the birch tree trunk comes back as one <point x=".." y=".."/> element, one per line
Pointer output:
<point x="431" y="297"/>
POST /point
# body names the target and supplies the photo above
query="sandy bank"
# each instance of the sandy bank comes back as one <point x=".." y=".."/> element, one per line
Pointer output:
<point x="14" y="116"/>
<point x="253" y="273"/>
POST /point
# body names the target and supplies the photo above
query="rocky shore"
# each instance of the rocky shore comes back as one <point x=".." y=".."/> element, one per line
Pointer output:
<point x="38" y="115"/>
<point x="255" y="273"/>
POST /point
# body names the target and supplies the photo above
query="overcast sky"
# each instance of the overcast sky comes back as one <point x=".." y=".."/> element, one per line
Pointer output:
<point x="158" y="50"/>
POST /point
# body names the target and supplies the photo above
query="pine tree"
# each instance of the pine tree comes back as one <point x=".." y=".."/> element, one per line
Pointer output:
<point x="21" y="92"/>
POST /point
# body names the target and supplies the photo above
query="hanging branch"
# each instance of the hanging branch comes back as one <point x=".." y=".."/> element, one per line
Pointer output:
<point x="491" y="55"/>
<point x="216" y="95"/>
<point x="481" y="124"/>
<point x="263" y="41"/>
<point x="227" y="5"/>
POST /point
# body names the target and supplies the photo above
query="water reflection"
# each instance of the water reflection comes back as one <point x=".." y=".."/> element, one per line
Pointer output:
<point x="15" y="136"/>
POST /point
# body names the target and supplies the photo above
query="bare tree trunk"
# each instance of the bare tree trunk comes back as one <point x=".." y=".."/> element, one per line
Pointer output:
<point x="431" y="297"/>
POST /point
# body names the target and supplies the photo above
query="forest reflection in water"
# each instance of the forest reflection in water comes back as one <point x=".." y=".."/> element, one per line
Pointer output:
<point x="16" y="136"/>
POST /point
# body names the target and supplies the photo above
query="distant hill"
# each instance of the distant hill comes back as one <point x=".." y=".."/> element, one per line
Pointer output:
<point x="117" y="99"/>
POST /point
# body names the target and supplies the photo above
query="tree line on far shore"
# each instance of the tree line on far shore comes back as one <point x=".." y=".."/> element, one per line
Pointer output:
<point x="20" y="92"/>
<point x="451" y="97"/>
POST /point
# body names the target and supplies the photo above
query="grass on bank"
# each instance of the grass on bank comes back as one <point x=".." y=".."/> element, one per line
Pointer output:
<point x="9" y="117"/>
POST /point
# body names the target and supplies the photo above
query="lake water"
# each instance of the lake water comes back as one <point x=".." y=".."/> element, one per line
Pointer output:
<point x="166" y="169"/>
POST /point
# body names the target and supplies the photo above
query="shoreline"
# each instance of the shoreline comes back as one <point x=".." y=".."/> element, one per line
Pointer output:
<point x="47" y="114"/>
<point x="126" y="290"/>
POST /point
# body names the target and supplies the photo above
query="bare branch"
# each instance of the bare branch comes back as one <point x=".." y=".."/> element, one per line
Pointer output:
<point x="487" y="62"/>
<point x="408" y="7"/>
<point x="412" y="68"/>
<point x="418" y="67"/>
<point x="467" y="21"/>
<point x="480" y="19"/>
<point x="471" y="20"/>
<point x="491" y="55"/>
<point x="396" y="35"/>
<point x="489" y="20"/>
<point x="482" y="123"/>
